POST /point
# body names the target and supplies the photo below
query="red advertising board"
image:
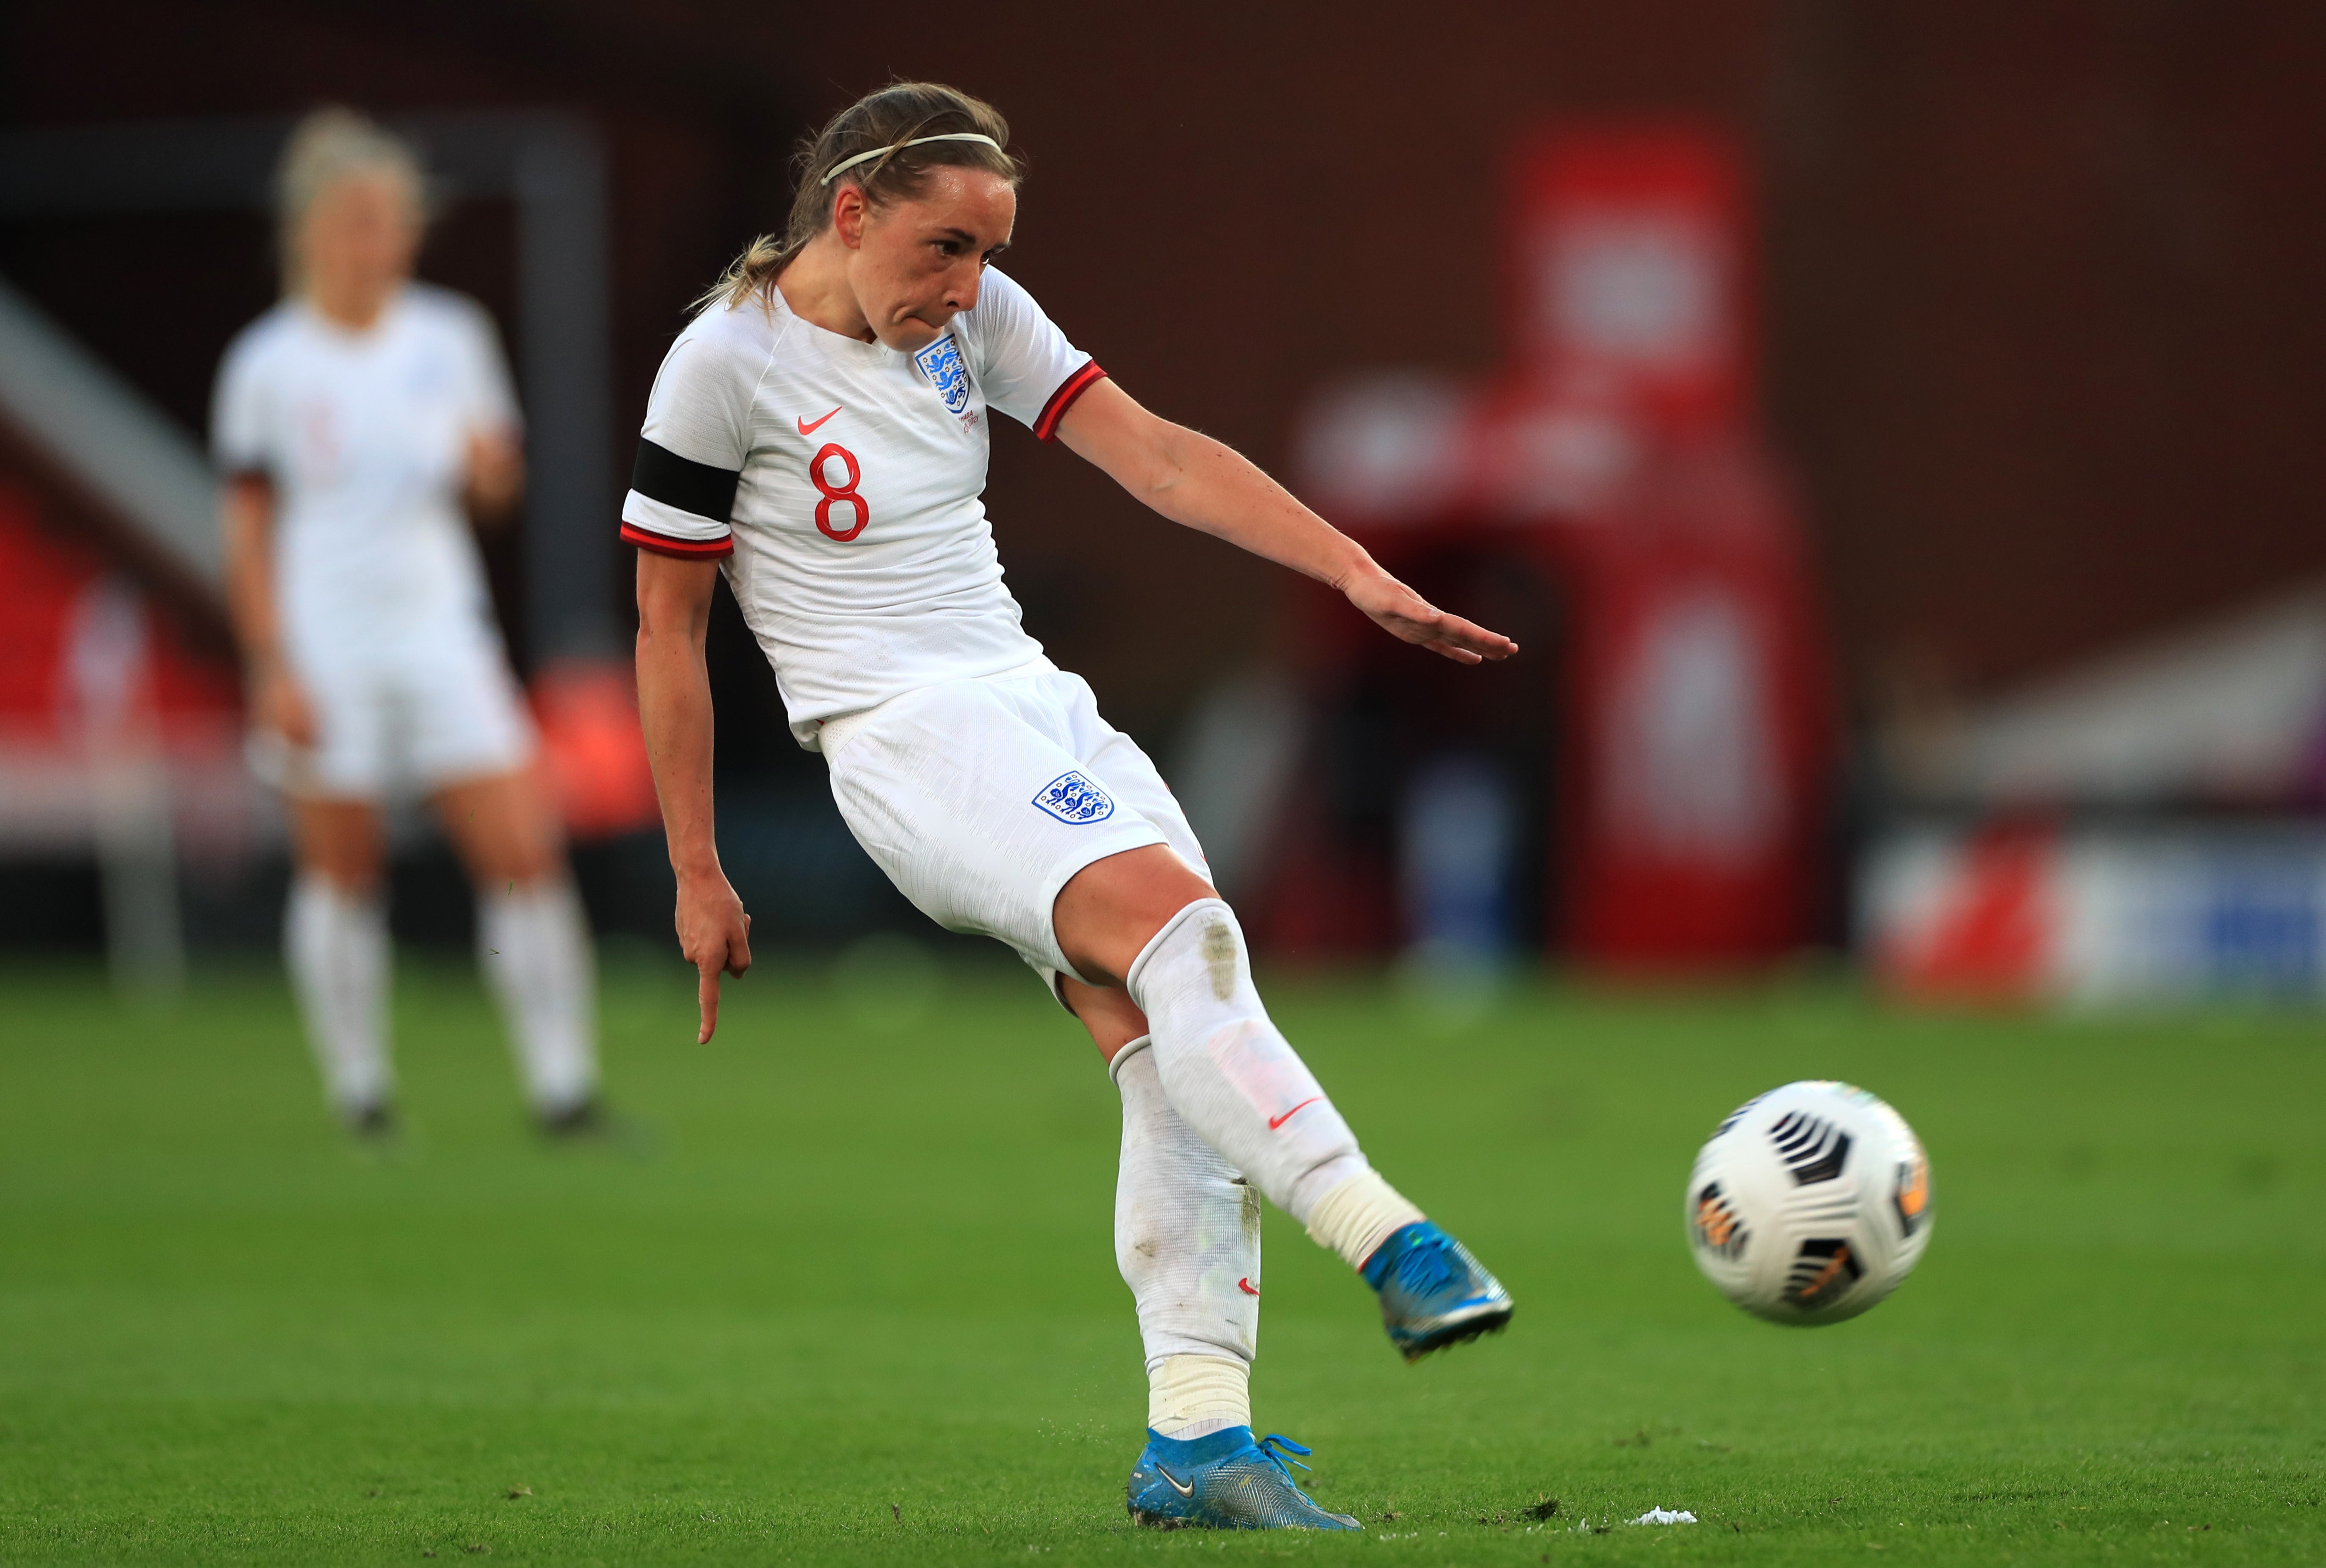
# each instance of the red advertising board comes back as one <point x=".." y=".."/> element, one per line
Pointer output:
<point x="1618" y="452"/>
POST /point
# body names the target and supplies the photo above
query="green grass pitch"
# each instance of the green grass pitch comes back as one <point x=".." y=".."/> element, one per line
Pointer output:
<point x="847" y="1293"/>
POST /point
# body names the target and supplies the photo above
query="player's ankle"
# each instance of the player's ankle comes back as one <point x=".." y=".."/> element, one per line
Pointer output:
<point x="1195" y="1397"/>
<point x="1187" y="1453"/>
<point x="1358" y="1215"/>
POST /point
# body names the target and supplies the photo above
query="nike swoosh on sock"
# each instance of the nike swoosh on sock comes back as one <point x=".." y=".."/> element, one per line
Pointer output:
<point x="1277" y="1121"/>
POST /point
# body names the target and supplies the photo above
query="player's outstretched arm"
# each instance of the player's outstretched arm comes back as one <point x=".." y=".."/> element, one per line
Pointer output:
<point x="675" y="708"/>
<point x="1204" y="484"/>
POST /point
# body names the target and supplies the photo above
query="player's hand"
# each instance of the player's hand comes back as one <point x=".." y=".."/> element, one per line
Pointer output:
<point x="715" y="936"/>
<point x="1410" y="617"/>
<point x="281" y="705"/>
<point x="496" y="476"/>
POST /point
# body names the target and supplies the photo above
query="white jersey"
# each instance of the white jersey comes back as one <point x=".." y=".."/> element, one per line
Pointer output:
<point x="839" y="482"/>
<point x="364" y="437"/>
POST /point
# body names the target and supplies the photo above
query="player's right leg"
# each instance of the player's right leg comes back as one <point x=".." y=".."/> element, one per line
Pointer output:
<point x="335" y="941"/>
<point x="1235" y="1080"/>
<point x="1187" y="1237"/>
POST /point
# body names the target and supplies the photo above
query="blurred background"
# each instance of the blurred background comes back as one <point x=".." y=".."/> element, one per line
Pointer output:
<point x="1883" y="428"/>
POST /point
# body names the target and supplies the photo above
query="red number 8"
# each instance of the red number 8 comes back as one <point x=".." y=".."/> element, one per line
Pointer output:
<point x="831" y="493"/>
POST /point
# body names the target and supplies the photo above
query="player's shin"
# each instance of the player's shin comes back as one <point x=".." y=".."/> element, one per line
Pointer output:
<point x="335" y="943"/>
<point x="1187" y="1237"/>
<point x="1240" y="1086"/>
<point x="534" y="944"/>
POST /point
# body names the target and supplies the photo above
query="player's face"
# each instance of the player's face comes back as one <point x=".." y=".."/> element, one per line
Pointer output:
<point x="359" y="239"/>
<point x="917" y="264"/>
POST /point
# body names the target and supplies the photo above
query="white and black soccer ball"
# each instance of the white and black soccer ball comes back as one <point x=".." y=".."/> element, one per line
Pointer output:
<point x="1810" y="1203"/>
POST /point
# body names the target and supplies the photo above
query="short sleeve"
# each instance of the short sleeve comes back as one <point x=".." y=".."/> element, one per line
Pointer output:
<point x="486" y="389"/>
<point x="239" y="425"/>
<point x="695" y="440"/>
<point x="1024" y="363"/>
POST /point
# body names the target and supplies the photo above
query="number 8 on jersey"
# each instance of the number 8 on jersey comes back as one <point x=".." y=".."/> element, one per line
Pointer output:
<point x="831" y="493"/>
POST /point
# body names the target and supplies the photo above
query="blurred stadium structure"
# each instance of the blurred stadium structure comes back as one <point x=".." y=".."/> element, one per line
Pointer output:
<point x="1644" y="789"/>
<point x="2141" y="826"/>
<point x="1960" y="582"/>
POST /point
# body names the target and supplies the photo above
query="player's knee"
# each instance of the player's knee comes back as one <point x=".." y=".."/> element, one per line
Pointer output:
<point x="520" y="861"/>
<point x="1112" y="907"/>
<point x="356" y="883"/>
<point x="1204" y="934"/>
<point x="517" y="877"/>
<point x="352" y="869"/>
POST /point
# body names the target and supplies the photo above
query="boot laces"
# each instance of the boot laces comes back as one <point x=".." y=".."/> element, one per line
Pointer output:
<point x="1269" y="1447"/>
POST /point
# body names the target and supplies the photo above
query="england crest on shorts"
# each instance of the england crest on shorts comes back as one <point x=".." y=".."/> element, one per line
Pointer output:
<point x="1073" y="800"/>
<point x="941" y="363"/>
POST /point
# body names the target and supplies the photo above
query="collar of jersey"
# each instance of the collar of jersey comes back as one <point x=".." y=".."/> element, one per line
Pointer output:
<point x="875" y="348"/>
<point x="347" y="337"/>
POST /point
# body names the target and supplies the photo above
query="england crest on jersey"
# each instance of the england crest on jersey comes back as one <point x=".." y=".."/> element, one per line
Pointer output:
<point x="941" y="363"/>
<point x="1073" y="799"/>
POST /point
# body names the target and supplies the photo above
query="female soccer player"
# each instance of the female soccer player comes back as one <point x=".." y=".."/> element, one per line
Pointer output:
<point x="819" y="434"/>
<point x="353" y="422"/>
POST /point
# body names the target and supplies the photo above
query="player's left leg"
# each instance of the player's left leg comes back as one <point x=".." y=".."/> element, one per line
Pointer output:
<point x="533" y="939"/>
<point x="1235" y="1080"/>
<point x="1187" y="1237"/>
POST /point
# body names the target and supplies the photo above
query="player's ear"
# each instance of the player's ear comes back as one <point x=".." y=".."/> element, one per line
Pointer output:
<point x="849" y="210"/>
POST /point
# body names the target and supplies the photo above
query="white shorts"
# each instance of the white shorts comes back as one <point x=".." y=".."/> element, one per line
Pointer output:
<point x="437" y="714"/>
<point x="980" y="799"/>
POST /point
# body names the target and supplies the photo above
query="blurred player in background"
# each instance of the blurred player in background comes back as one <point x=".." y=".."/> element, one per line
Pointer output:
<point x="354" y="422"/>
<point x="818" y="432"/>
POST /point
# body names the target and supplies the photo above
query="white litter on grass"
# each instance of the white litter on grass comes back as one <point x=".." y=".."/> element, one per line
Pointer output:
<point x="1666" y="1516"/>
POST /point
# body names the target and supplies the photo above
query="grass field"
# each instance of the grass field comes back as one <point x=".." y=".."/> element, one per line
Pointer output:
<point x="846" y="1292"/>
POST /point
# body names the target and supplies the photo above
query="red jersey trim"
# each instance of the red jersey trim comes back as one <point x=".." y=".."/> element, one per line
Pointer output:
<point x="1046" y="427"/>
<point x="684" y="549"/>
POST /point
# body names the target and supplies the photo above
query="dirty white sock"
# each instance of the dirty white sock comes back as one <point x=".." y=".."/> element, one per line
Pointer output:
<point x="1192" y="1396"/>
<point x="1187" y="1237"/>
<point x="335" y="945"/>
<point x="1229" y="1073"/>
<point x="534" y="944"/>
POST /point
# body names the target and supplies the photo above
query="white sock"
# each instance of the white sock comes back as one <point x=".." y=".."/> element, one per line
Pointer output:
<point x="1357" y="1216"/>
<point x="335" y="943"/>
<point x="534" y="944"/>
<point x="1187" y="1237"/>
<point x="1192" y="1396"/>
<point x="1230" y="1074"/>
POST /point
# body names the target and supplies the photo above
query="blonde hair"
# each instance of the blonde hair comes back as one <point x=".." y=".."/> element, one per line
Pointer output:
<point x="332" y="144"/>
<point x="880" y="122"/>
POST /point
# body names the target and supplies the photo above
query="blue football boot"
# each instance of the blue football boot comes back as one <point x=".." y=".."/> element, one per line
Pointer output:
<point x="1225" y="1481"/>
<point x="1433" y="1292"/>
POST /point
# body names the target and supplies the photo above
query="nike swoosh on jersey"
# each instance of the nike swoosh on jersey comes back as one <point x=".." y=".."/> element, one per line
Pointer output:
<point x="1185" y="1489"/>
<point x="1246" y="1286"/>
<point x="1277" y="1121"/>
<point x="807" y="429"/>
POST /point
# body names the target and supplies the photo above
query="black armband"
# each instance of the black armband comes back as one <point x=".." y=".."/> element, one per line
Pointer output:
<point x="661" y="475"/>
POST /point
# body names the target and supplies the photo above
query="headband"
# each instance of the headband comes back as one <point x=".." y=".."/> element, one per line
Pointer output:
<point x="848" y="164"/>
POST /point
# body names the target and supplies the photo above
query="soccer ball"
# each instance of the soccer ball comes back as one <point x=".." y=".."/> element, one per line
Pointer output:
<point x="1810" y="1203"/>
